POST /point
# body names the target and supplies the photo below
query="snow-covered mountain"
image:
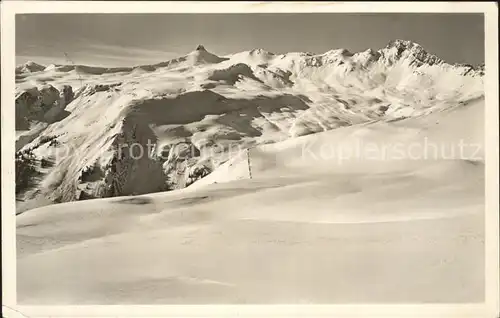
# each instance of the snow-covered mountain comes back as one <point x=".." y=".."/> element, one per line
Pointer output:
<point x="29" y="67"/>
<point x="190" y="113"/>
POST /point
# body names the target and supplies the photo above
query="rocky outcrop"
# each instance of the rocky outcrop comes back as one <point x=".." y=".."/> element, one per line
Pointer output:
<point x="45" y="103"/>
<point x="411" y="52"/>
<point x="233" y="73"/>
<point x="132" y="169"/>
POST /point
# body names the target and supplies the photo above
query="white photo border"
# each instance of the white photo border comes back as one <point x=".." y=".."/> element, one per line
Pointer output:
<point x="10" y="308"/>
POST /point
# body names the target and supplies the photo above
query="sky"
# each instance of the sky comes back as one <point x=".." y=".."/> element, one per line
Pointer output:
<point x="134" y="39"/>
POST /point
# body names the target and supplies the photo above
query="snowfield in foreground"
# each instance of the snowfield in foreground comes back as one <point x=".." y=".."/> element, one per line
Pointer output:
<point x="359" y="178"/>
<point x="304" y="230"/>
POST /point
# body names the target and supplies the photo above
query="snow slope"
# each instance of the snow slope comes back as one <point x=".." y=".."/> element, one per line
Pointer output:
<point x="304" y="229"/>
<point x="198" y="109"/>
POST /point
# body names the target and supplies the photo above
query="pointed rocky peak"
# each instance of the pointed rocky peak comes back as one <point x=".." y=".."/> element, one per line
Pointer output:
<point x="201" y="55"/>
<point x="404" y="46"/>
<point x="404" y="49"/>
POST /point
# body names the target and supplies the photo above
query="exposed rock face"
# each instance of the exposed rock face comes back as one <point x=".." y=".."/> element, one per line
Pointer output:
<point x="480" y="69"/>
<point x="181" y="157"/>
<point x="233" y="73"/>
<point x="409" y="51"/>
<point x="28" y="104"/>
<point x="49" y="95"/>
<point x="195" y="173"/>
<point x="132" y="169"/>
<point x="67" y="94"/>
<point x="45" y="103"/>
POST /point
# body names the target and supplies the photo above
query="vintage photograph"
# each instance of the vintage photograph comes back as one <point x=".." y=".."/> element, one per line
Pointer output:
<point x="250" y="158"/>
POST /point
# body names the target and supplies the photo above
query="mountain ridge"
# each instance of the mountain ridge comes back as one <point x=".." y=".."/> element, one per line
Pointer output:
<point x="420" y="54"/>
